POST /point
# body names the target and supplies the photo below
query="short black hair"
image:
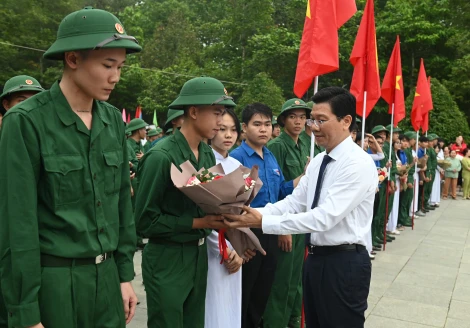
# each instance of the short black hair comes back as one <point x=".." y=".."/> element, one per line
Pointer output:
<point x="256" y="108"/>
<point x="423" y="139"/>
<point x="403" y="137"/>
<point x="465" y="151"/>
<point x="341" y="101"/>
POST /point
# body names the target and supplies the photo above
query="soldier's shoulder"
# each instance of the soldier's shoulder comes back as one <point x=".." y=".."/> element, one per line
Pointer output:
<point x="31" y="104"/>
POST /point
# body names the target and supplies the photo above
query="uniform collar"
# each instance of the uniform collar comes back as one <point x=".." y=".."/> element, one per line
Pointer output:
<point x="65" y="112"/>
<point x="250" y="151"/>
<point x="342" y="148"/>
<point x="288" y="139"/>
<point x="186" y="150"/>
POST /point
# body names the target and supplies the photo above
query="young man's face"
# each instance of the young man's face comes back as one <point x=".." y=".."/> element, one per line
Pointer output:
<point x="206" y="119"/>
<point x="381" y="134"/>
<point x="16" y="98"/>
<point x="396" y="135"/>
<point x="405" y="144"/>
<point x="97" y="73"/>
<point x="424" y="144"/>
<point x="258" y="130"/>
<point x="412" y="143"/>
<point x="177" y="122"/>
<point x="142" y="133"/>
<point x="276" y="130"/>
<point x="294" y="121"/>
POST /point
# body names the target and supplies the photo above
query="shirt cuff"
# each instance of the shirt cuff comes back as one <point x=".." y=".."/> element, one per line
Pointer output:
<point x="271" y="224"/>
<point x="125" y="271"/>
<point x="184" y="224"/>
<point x="24" y="315"/>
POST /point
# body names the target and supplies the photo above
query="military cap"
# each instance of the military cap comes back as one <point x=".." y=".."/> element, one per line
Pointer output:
<point x="135" y="124"/>
<point x="294" y="103"/>
<point x="202" y="91"/>
<point x="379" y="128"/>
<point x="152" y="133"/>
<point x="20" y="83"/>
<point x="410" y="135"/>
<point x="171" y="115"/>
<point x="274" y="121"/>
<point x="395" y="129"/>
<point x="90" y="29"/>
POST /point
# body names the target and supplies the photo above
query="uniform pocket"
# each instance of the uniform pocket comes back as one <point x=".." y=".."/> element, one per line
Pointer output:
<point x="112" y="174"/>
<point x="65" y="178"/>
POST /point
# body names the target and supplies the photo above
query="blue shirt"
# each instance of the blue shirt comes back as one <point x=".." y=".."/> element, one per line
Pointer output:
<point x="403" y="158"/>
<point x="274" y="187"/>
<point x="421" y="152"/>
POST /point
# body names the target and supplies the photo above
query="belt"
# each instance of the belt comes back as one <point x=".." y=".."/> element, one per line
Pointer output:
<point x="198" y="242"/>
<point x="56" y="261"/>
<point x="324" y="250"/>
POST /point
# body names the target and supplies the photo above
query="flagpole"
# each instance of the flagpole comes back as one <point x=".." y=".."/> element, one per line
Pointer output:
<point x="312" y="136"/>
<point x="364" y="119"/>
<point x="416" y="185"/>
<point x="391" y="136"/>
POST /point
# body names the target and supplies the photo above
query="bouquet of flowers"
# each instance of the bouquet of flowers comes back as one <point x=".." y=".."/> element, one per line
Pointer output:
<point x="443" y="164"/>
<point x="382" y="173"/>
<point x="216" y="192"/>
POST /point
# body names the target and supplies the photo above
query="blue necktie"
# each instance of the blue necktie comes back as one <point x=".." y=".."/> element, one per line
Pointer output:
<point x="326" y="160"/>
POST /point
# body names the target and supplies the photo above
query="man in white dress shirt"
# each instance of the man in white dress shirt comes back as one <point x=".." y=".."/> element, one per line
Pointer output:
<point x="333" y="203"/>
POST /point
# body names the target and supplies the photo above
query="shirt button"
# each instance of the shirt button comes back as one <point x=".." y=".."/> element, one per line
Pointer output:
<point x="101" y="230"/>
<point x="94" y="176"/>
<point x="98" y="203"/>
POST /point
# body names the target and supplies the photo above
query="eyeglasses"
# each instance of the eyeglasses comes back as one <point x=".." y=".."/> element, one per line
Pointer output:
<point x="319" y="123"/>
<point x="219" y="100"/>
<point x="115" y="37"/>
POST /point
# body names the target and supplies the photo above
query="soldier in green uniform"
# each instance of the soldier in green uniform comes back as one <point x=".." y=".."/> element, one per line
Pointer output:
<point x="135" y="151"/>
<point x="16" y="90"/>
<point x="306" y="135"/>
<point x="379" y="216"/>
<point x="152" y="135"/>
<point x="175" y="119"/>
<point x="276" y="128"/>
<point x="430" y="172"/>
<point x="406" y="196"/>
<point x="174" y="263"/>
<point x="285" y="300"/>
<point x="67" y="235"/>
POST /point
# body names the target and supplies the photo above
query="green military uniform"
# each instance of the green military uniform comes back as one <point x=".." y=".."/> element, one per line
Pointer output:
<point x="430" y="171"/>
<point x="67" y="235"/>
<point x="307" y="140"/>
<point x="285" y="299"/>
<point x="69" y="198"/>
<point x="406" y="196"/>
<point x="151" y="133"/>
<point x="172" y="114"/>
<point x="175" y="263"/>
<point x="14" y="85"/>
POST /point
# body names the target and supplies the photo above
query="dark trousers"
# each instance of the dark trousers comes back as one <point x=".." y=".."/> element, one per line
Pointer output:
<point x="336" y="287"/>
<point x="257" y="280"/>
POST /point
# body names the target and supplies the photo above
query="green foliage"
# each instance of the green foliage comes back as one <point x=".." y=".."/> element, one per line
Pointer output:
<point x="446" y="120"/>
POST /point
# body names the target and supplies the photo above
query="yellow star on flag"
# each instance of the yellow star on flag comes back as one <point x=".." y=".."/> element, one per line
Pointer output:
<point x="417" y="94"/>
<point x="308" y="10"/>
<point x="398" y="77"/>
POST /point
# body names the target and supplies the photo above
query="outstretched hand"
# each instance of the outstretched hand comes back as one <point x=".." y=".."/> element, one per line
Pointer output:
<point x="251" y="218"/>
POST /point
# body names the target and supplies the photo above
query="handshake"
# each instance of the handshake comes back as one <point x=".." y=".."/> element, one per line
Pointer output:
<point x="250" y="218"/>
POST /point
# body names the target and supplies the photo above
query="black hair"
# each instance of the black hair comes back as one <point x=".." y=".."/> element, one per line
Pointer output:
<point x="403" y="137"/>
<point x="2" y="110"/>
<point x="231" y="112"/>
<point x="256" y="108"/>
<point x="465" y="151"/>
<point x="423" y="139"/>
<point x="341" y="101"/>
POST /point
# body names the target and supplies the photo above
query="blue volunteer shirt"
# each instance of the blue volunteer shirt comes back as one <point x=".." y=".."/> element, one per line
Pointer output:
<point x="421" y="152"/>
<point x="274" y="187"/>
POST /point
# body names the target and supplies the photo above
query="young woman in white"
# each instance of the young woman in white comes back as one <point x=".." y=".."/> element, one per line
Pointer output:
<point x="224" y="281"/>
<point x="435" y="198"/>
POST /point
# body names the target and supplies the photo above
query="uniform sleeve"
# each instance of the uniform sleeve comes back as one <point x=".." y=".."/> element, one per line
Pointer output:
<point x="19" y="235"/>
<point x="154" y="176"/>
<point x="131" y="157"/>
<point x="124" y="254"/>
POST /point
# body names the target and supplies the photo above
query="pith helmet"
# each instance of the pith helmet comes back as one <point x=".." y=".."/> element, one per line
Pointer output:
<point x="135" y="124"/>
<point x="202" y="91"/>
<point x="410" y="135"/>
<point x="432" y="136"/>
<point x="152" y="133"/>
<point x="90" y="28"/>
<point x="274" y="120"/>
<point x="171" y="115"/>
<point x="294" y="103"/>
<point x="379" y="128"/>
<point x="395" y="129"/>
<point x="20" y="83"/>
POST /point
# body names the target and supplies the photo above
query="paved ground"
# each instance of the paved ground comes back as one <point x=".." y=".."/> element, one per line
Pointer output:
<point x="421" y="280"/>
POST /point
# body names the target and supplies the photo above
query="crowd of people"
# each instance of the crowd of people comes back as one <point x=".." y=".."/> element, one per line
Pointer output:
<point x="82" y="191"/>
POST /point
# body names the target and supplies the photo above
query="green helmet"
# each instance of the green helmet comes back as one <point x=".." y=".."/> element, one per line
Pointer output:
<point x="379" y="128"/>
<point x="135" y="124"/>
<point x="432" y="136"/>
<point x="171" y="115"/>
<point x="395" y="129"/>
<point x="202" y="91"/>
<point x="274" y="120"/>
<point x="20" y="83"/>
<point x="88" y="29"/>
<point x="410" y="135"/>
<point x="310" y="104"/>
<point x="152" y="133"/>
<point x="169" y="131"/>
<point x="294" y="103"/>
<point x="159" y="130"/>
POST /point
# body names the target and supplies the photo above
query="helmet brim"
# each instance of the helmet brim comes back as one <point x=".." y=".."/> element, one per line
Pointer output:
<point x="199" y="100"/>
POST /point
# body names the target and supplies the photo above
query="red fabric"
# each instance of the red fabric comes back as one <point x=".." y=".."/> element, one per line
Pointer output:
<point x="128" y="118"/>
<point x="365" y="61"/>
<point x="318" y="52"/>
<point x="392" y="85"/>
<point x="138" y="112"/>
<point x="222" y="246"/>
<point x="425" y="125"/>
<point x="422" y="102"/>
<point x="458" y="149"/>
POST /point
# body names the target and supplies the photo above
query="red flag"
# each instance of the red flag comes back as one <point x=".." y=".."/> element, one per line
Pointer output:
<point x="392" y="85"/>
<point x="422" y="102"/>
<point x="366" y="63"/>
<point x="425" y="125"/>
<point x="318" y="52"/>
<point x="138" y="112"/>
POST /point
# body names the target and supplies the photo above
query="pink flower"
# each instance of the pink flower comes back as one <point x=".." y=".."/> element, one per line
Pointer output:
<point x="193" y="181"/>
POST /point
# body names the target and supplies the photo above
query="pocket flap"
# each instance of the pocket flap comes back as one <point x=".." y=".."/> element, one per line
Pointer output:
<point x="63" y="164"/>
<point x="113" y="158"/>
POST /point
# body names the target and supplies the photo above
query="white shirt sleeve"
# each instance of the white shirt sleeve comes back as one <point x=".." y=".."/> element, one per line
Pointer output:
<point x="293" y="216"/>
<point x="378" y="156"/>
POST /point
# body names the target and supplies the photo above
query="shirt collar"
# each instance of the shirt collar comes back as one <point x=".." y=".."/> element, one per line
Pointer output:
<point x="217" y="155"/>
<point x="250" y="151"/>
<point x="341" y="148"/>
<point x="65" y="112"/>
<point x="184" y="146"/>
<point x="288" y="139"/>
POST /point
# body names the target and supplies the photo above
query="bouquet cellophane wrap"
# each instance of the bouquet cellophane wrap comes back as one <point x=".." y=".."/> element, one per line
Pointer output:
<point x="226" y="195"/>
<point x="422" y="162"/>
<point x="443" y="164"/>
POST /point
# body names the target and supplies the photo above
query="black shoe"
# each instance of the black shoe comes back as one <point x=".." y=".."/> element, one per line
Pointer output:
<point x="429" y="208"/>
<point x="424" y="210"/>
<point x="377" y="249"/>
